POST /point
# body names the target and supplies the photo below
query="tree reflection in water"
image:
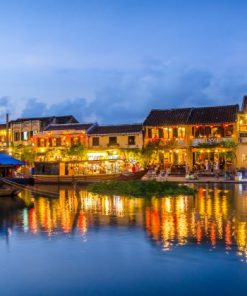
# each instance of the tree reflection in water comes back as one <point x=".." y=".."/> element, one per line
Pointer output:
<point x="215" y="216"/>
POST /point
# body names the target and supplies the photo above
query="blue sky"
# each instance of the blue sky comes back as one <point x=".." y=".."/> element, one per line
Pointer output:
<point x="112" y="61"/>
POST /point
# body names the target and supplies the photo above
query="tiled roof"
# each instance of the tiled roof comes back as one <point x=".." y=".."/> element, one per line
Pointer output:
<point x="168" y="117"/>
<point x="214" y="115"/>
<point x="200" y="115"/>
<point x="116" y="129"/>
<point x="2" y="126"/>
<point x="50" y="119"/>
<point x="69" y="126"/>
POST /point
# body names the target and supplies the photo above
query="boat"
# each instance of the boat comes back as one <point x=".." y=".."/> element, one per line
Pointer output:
<point x="86" y="179"/>
<point x="21" y="180"/>
<point x="6" y="190"/>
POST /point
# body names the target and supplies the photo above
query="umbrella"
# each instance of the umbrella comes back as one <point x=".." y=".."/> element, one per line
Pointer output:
<point x="6" y="160"/>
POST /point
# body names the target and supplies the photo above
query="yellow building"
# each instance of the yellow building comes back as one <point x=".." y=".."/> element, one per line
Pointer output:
<point x="112" y="148"/>
<point x="242" y="136"/>
<point x="204" y="138"/>
<point x="3" y="138"/>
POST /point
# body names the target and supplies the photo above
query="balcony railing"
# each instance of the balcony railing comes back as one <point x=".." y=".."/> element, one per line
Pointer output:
<point x="168" y="142"/>
<point x="209" y="141"/>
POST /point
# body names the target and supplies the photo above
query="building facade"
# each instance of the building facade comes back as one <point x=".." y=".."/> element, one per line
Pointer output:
<point x="23" y="129"/>
<point x="202" y="138"/>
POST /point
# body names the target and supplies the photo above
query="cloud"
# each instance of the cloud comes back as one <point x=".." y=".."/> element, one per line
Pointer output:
<point x="128" y="96"/>
<point x="34" y="108"/>
<point x="76" y="107"/>
<point x="5" y="107"/>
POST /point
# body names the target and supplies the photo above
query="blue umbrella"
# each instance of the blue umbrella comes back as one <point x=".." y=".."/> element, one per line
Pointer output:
<point x="6" y="159"/>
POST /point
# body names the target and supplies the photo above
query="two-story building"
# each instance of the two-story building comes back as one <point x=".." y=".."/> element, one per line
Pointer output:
<point x="52" y="143"/>
<point x="112" y="148"/>
<point x="170" y="128"/>
<point x="205" y="137"/>
<point x="23" y="129"/>
<point x="214" y="137"/>
<point x="53" y="147"/>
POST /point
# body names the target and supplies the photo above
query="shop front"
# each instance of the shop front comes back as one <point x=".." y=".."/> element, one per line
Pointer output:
<point x="212" y="160"/>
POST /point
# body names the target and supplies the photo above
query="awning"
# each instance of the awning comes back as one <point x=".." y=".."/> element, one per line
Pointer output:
<point x="8" y="160"/>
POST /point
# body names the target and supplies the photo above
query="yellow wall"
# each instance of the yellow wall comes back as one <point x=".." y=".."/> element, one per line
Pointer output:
<point x="122" y="140"/>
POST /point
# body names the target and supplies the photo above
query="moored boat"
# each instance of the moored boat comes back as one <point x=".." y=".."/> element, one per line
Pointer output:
<point x="86" y="179"/>
<point x="8" y="191"/>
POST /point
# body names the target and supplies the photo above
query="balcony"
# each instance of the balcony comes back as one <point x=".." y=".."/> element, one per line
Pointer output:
<point x="210" y="141"/>
<point x="163" y="143"/>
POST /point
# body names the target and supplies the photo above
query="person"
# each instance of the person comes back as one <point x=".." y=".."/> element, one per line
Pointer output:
<point x="222" y="164"/>
<point x="133" y="169"/>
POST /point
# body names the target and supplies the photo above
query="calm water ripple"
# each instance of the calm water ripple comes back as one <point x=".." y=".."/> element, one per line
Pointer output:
<point x="89" y="244"/>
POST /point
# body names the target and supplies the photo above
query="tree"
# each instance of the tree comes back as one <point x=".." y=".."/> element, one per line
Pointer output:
<point x="149" y="150"/>
<point x="24" y="153"/>
<point x="77" y="151"/>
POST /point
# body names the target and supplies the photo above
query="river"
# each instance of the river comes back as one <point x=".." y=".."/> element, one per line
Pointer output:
<point x="88" y="244"/>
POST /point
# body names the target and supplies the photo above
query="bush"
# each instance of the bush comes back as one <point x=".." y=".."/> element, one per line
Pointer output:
<point x="140" y="188"/>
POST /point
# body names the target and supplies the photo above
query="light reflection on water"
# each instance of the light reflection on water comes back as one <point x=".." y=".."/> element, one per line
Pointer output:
<point x="216" y="216"/>
<point x="89" y="244"/>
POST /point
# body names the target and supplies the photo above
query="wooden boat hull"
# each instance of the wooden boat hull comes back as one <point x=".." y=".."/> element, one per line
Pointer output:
<point x="86" y="179"/>
<point x="4" y="192"/>
<point x="23" y="181"/>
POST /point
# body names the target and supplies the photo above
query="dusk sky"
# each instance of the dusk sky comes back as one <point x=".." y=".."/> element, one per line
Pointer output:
<point x="112" y="61"/>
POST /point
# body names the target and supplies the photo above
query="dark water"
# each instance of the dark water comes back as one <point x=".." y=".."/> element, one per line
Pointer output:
<point x="112" y="245"/>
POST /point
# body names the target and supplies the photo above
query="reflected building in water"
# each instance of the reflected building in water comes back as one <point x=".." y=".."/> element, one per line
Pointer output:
<point x="216" y="216"/>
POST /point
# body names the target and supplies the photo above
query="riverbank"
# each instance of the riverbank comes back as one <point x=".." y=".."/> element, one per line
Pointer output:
<point x="181" y="179"/>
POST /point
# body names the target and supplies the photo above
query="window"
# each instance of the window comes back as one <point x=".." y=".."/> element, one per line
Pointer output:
<point x="228" y="131"/>
<point x="75" y="140"/>
<point x="42" y="142"/>
<point x="199" y="131"/>
<point x="95" y="141"/>
<point x="161" y="133"/>
<point x="168" y="133"/>
<point x="181" y="132"/>
<point x="54" y="142"/>
<point x="175" y="132"/>
<point x="112" y="140"/>
<point x="217" y="131"/>
<point x="58" y="142"/>
<point x="24" y="136"/>
<point x="131" y="140"/>
<point x="16" y="136"/>
<point x="149" y="133"/>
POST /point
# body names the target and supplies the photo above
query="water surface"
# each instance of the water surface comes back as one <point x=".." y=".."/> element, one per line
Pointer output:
<point x="89" y="244"/>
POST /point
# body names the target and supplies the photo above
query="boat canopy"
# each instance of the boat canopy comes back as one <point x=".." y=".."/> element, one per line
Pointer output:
<point x="8" y="160"/>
